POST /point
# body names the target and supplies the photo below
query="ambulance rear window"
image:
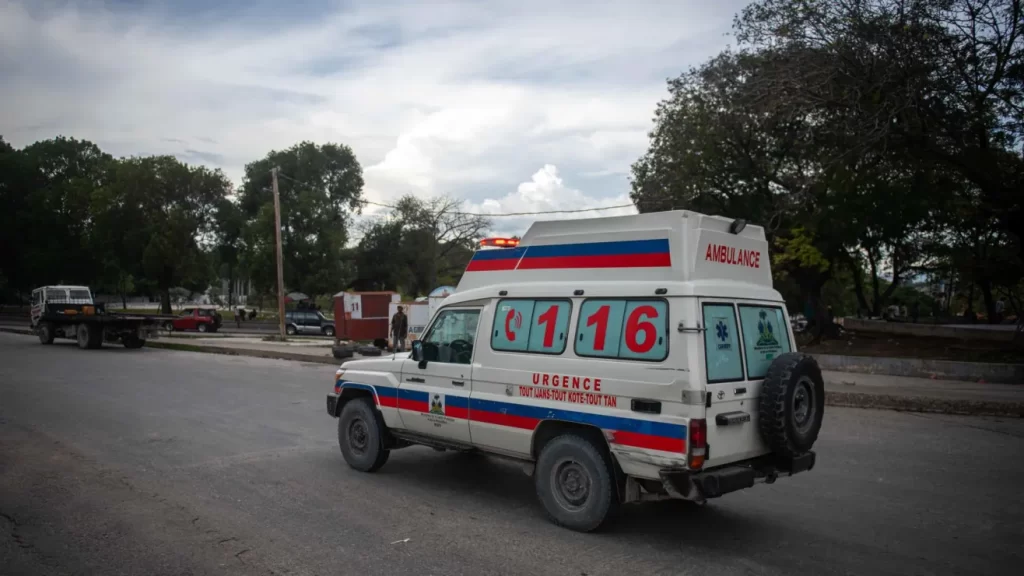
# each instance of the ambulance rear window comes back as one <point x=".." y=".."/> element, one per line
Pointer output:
<point x="765" y="337"/>
<point x="528" y="325"/>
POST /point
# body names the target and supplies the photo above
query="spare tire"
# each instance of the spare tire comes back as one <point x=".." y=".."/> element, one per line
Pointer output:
<point x="792" y="404"/>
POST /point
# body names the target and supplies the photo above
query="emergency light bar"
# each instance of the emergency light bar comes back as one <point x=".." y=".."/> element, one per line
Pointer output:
<point x="500" y="242"/>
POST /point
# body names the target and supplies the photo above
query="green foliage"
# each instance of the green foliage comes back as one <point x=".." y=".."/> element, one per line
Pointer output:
<point x="320" y="186"/>
<point x="424" y="244"/>
<point x="875" y="139"/>
<point x="154" y="219"/>
<point x="798" y="250"/>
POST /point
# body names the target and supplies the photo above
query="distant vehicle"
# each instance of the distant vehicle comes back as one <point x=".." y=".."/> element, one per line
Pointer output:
<point x="69" y="312"/>
<point x="201" y="319"/>
<point x="308" y="322"/>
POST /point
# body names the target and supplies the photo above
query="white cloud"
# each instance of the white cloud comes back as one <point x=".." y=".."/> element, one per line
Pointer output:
<point x="546" y="192"/>
<point x="446" y="97"/>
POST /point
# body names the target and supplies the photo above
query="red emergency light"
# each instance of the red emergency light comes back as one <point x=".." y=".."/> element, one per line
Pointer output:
<point x="500" y="242"/>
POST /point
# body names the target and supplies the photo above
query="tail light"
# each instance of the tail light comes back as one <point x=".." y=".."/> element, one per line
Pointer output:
<point x="698" y="443"/>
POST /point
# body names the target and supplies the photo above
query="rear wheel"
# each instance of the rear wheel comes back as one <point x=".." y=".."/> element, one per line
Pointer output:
<point x="89" y="337"/>
<point x="574" y="482"/>
<point x="45" y="332"/>
<point x="202" y="328"/>
<point x="169" y="326"/>
<point x="361" y="436"/>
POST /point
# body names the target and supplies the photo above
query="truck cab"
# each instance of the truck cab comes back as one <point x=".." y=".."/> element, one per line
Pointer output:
<point x="622" y="359"/>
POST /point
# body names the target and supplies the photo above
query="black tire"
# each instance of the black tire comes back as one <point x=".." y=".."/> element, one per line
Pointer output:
<point x="45" y="332"/>
<point x="361" y="435"/>
<point x="341" y="353"/>
<point x="89" y="337"/>
<point x="575" y="483"/>
<point x="133" y="342"/>
<point x="328" y="330"/>
<point x="202" y="328"/>
<point x="792" y="404"/>
<point x="290" y="330"/>
<point x="169" y="326"/>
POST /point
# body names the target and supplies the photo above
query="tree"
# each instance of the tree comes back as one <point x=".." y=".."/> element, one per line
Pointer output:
<point x="229" y="230"/>
<point x="381" y="257"/>
<point x="156" y="221"/>
<point x="319" y="187"/>
<point x="849" y="128"/>
<point x="46" y="194"/>
<point x="718" y="148"/>
<point x="421" y="243"/>
<point x="439" y="238"/>
<point x="937" y="82"/>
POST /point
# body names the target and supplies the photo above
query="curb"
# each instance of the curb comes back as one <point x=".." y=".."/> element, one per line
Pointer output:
<point x="923" y="404"/>
<point x="832" y="398"/>
<point x="181" y="347"/>
<point x="996" y="373"/>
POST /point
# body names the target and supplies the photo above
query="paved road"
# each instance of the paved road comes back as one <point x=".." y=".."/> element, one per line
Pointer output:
<point x="160" y="462"/>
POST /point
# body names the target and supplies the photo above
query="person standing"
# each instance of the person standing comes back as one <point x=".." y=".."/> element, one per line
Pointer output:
<point x="399" y="330"/>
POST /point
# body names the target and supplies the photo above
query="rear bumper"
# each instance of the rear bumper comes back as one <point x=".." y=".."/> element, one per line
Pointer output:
<point x="332" y="404"/>
<point x="720" y="481"/>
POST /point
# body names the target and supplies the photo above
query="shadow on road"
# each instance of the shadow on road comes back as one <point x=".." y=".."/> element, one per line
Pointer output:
<point x="493" y="482"/>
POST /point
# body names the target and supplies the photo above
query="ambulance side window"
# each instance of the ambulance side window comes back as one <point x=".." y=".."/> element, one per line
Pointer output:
<point x="629" y="329"/>
<point x="765" y="337"/>
<point x="537" y="326"/>
<point x="722" y="344"/>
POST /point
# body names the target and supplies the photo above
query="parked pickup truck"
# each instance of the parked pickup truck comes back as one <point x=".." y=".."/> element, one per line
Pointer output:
<point x="69" y="312"/>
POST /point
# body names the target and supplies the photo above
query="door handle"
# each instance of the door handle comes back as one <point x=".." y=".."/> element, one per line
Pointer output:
<point x="458" y="382"/>
<point x="419" y="380"/>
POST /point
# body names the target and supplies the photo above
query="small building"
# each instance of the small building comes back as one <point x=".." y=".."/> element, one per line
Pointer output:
<point x="363" y="315"/>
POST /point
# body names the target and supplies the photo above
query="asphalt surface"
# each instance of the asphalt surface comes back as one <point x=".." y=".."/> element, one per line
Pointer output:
<point x="161" y="462"/>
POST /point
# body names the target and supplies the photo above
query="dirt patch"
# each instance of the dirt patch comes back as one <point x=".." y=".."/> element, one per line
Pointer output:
<point x="898" y="346"/>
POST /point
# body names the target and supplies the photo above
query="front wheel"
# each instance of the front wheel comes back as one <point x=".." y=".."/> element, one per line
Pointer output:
<point x="328" y="331"/>
<point x="575" y="483"/>
<point x="45" y="333"/>
<point x="361" y="436"/>
<point x="169" y="326"/>
<point x="290" y="330"/>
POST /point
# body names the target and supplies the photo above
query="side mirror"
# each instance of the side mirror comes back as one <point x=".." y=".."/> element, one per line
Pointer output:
<point x="418" y="354"/>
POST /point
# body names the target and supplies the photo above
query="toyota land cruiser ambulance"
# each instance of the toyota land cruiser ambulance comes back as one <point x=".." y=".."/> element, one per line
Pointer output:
<point x="620" y="359"/>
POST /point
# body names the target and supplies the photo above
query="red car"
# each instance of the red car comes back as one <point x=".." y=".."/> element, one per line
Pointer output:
<point x="201" y="319"/>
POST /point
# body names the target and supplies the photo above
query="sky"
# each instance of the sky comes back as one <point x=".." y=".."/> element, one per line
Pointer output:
<point x="511" y="106"/>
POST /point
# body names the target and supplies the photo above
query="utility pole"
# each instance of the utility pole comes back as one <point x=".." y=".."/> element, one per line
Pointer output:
<point x="280" y="261"/>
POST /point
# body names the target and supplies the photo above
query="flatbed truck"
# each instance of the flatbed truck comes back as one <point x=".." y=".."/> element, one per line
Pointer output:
<point x="69" y="312"/>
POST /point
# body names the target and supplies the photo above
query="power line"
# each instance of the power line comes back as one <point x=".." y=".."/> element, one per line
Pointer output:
<point x="483" y="214"/>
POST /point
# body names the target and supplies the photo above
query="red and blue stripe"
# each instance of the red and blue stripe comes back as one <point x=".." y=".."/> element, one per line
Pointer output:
<point x="620" y="254"/>
<point x="625" y="431"/>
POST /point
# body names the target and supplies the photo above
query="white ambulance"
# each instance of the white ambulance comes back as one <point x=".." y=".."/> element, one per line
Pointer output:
<point x="620" y="359"/>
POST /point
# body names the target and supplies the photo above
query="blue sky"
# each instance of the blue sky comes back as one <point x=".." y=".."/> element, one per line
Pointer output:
<point x="510" y="105"/>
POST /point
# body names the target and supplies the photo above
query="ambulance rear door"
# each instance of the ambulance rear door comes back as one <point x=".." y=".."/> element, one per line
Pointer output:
<point x="732" y="398"/>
